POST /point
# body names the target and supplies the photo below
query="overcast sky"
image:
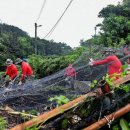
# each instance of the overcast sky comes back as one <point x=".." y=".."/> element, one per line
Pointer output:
<point x="77" y="23"/>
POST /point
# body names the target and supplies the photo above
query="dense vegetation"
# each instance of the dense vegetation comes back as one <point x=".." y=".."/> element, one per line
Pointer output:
<point x="115" y="28"/>
<point x="51" y="57"/>
<point x="16" y="43"/>
<point x="46" y="65"/>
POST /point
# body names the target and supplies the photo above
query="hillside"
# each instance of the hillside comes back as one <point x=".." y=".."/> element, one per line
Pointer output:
<point x="15" y="42"/>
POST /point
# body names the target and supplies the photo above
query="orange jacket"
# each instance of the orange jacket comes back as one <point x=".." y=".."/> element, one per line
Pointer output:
<point x="70" y="71"/>
<point x="26" y="70"/>
<point x="114" y="64"/>
<point x="11" y="71"/>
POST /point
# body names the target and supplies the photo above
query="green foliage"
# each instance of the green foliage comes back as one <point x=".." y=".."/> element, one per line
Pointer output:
<point x="115" y="28"/>
<point x="126" y="88"/>
<point x="124" y="124"/>
<point x="116" y="127"/>
<point x="65" y="123"/>
<point x="33" y="112"/>
<point x="16" y="43"/>
<point x="60" y="100"/>
<point x="44" y="66"/>
<point x="110" y="80"/>
<point x="124" y="69"/>
<point x="35" y="127"/>
<point x="92" y="85"/>
<point x="26" y="117"/>
<point x="3" y="123"/>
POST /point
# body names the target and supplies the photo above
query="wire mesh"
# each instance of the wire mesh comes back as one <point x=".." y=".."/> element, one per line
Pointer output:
<point x="35" y="94"/>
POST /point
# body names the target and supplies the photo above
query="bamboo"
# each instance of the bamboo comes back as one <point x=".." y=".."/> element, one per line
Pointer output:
<point x="13" y="112"/>
<point x="21" y="113"/>
<point x="121" y="80"/>
<point x="48" y="115"/>
<point x="97" y="125"/>
<point x="57" y="111"/>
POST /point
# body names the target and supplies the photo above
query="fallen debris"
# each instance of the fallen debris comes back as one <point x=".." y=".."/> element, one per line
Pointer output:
<point x="109" y="118"/>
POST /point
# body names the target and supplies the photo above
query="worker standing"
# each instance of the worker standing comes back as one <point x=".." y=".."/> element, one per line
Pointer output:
<point x="70" y="74"/>
<point x="27" y="71"/>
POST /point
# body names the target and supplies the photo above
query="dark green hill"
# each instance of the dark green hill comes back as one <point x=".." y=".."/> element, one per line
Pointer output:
<point x="15" y="42"/>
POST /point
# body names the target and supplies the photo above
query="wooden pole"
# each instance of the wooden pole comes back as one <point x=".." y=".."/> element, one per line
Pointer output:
<point x="97" y="125"/>
<point x="48" y="115"/>
<point x="121" y="80"/>
<point x="57" y="111"/>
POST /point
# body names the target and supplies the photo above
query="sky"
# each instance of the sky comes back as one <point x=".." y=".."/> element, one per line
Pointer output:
<point x="77" y="23"/>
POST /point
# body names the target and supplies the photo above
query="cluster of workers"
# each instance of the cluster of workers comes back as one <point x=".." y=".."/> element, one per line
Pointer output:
<point x="12" y="71"/>
<point x="113" y="63"/>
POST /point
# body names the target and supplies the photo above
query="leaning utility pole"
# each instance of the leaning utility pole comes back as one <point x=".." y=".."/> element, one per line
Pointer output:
<point x="35" y="38"/>
<point x="95" y="28"/>
<point x="36" y="26"/>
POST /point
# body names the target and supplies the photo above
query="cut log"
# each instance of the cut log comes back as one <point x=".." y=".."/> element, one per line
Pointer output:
<point x="114" y="115"/>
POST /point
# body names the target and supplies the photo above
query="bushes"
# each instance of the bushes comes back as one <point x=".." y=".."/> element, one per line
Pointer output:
<point x="44" y="66"/>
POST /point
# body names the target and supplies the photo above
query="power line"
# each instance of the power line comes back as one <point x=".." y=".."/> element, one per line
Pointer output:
<point x="53" y="28"/>
<point x="43" y="5"/>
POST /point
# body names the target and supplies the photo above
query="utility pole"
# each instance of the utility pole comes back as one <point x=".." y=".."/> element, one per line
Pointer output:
<point x="95" y="31"/>
<point x="0" y="27"/>
<point x="36" y="26"/>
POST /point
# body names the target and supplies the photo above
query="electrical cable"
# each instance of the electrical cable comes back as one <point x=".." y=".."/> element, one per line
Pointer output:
<point x="43" y="5"/>
<point x="53" y="28"/>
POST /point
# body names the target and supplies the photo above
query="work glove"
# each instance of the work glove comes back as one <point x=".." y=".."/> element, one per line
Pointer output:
<point x="20" y="83"/>
<point x="91" y="62"/>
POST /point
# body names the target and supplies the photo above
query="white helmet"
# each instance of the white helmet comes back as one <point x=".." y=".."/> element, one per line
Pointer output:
<point x="108" y="51"/>
<point x="18" y="60"/>
<point x="9" y="61"/>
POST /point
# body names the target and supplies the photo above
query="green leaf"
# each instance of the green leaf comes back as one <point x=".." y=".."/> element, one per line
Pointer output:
<point x="51" y="99"/>
<point x="92" y="85"/>
<point x="124" y="124"/>
<point x="115" y="127"/>
<point x="95" y="81"/>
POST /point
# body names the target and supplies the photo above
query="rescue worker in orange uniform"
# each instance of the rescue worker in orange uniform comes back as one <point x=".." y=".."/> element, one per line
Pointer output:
<point x="27" y="71"/>
<point x="11" y="71"/>
<point x="114" y="69"/>
<point x="114" y="64"/>
<point x="70" y="74"/>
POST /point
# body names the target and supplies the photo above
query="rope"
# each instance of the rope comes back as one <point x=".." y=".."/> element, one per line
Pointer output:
<point x="109" y="121"/>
